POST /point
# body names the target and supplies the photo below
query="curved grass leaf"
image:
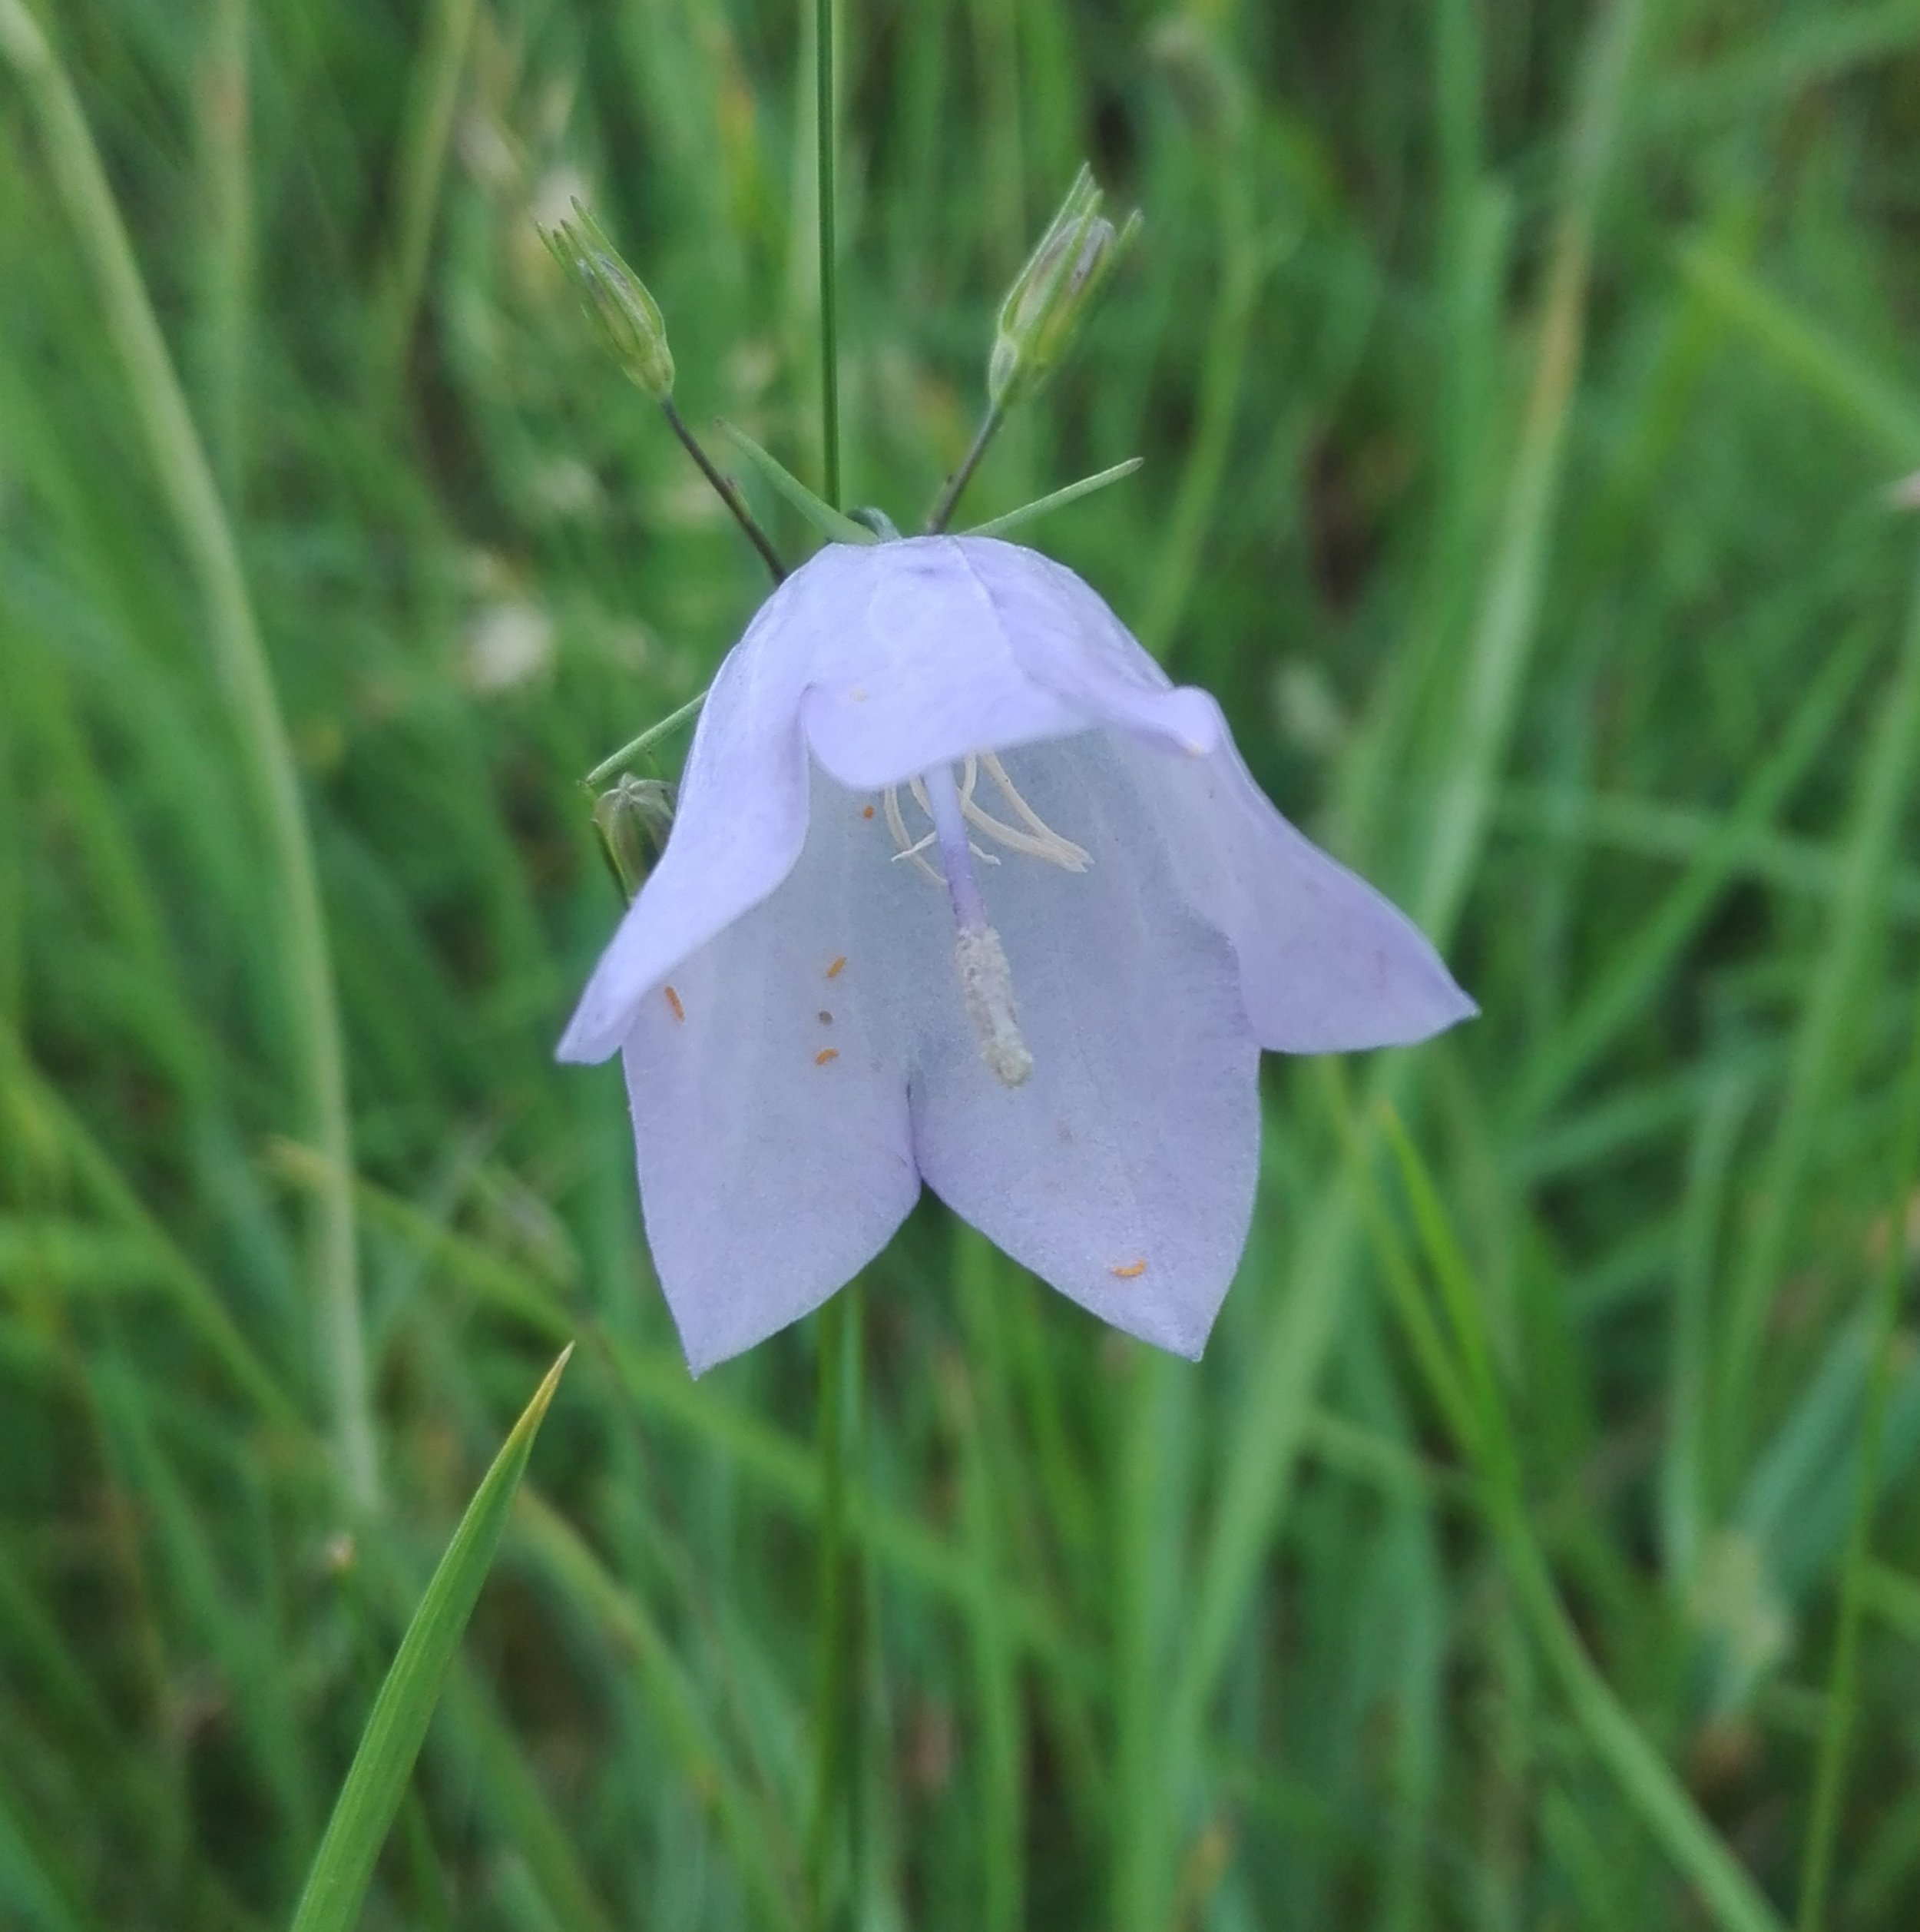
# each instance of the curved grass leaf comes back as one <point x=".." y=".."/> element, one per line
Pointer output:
<point x="1727" y="1889"/>
<point x="378" y="1778"/>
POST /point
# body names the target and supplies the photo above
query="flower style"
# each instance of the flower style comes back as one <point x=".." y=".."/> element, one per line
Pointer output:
<point x="961" y="889"/>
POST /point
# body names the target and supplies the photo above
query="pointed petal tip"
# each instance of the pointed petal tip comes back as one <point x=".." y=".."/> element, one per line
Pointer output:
<point x="1167" y="1328"/>
<point x="1453" y="1007"/>
<point x="1442" y="1010"/>
<point x="588" y="1040"/>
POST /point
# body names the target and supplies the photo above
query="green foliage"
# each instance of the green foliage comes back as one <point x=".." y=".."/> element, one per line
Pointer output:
<point x="1520" y="388"/>
<point x="377" y="1779"/>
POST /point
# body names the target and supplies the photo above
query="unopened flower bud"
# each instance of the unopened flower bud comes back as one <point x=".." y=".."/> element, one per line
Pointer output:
<point x="626" y="317"/>
<point x="633" y="821"/>
<point x="1055" y="292"/>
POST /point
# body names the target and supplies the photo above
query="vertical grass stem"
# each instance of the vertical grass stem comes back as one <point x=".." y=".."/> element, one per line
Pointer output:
<point x="1836" y="1733"/>
<point x="433" y="94"/>
<point x="186" y="482"/>
<point x="826" y="129"/>
<point x="836" y="1810"/>
<point x="836" y="1818"/>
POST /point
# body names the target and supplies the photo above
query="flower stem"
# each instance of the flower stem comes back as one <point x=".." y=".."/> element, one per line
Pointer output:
<point x="269" y="769"/>
<point x="949" y="499"/>
<point x="824" y="131"/>
<point x="634" y="747"/>
<point x="836" y="1796"/>
<point x="730" y="492"/>
<point x="837" y="1709"/>
<point x="1843" y="1688"/>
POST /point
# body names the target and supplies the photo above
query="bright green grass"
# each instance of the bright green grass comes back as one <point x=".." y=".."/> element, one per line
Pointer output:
<point x="1520" y="385"/>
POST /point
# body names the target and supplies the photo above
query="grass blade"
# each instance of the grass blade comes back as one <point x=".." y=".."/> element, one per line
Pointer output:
<point x="205" y="533"/>
<point x="378" y="1778"/>
<point x="1829" y="1043"/>
<point x="1644" y="1777"/>
<point x="1874" y="405"/>
<point x="1843" y="1691"/>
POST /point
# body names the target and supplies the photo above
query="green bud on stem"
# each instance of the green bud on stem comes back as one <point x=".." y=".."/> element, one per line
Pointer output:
<point x="633" y="821"/>
<point x="616" y="300"/>
<point x="1058" y="289"/>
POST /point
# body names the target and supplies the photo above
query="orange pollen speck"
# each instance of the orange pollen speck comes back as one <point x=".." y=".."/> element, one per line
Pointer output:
<point x="833" y="1053"/>
<point x="833" y="971"/>
<point x="1131" y="1271"/>
<point x="868" y="812"/>
<point x="672" y="1000"/>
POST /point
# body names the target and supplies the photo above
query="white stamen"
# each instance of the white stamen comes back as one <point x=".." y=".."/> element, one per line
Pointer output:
<point x="898" y="826"/>
<point x="986" y="985"/>
<point x="1054" y="849"/>
<point x="986" y="980"/>
<point x="1059" y="851"/>
<point x="1038" y="841"/>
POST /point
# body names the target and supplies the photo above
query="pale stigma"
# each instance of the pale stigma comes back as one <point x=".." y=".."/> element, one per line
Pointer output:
<point x="986" y="981"/>
<point x="986" y="985"/>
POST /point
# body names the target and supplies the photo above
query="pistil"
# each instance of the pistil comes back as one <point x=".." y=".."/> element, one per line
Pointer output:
<point x="986" y="981"/>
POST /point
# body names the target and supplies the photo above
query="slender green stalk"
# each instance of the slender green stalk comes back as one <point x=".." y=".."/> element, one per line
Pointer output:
<point x="1643" y="1776"/>
<point x="1843" y="1687"/>
<point x="1506" y="623"/>
<point x="1261" y="1455"/>
<point x="1874" y="405"/>
<point x="652" y="735"/>
<point x="948" y="500"/>
<point x="837" y="1705"/>
<point x="227" y="256"/>
<point x="730" y="490"/>
<point x="433" y="94"/>
<point x="186" y="483"/>
<point x="1246" y="259"/>
<point x="837" y="1810"/>
<point x="824" y="131"/>
<point x="1826" y="1048"/>
<point x="1682" y="1493"/>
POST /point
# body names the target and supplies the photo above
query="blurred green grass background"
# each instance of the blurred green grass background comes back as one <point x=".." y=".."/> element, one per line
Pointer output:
<point x="1520" y="384"/>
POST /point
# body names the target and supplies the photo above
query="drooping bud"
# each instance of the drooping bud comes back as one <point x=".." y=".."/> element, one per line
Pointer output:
<point x="626" y="317"/>
<point x="633" y="821"/>
<point x="1054" y="293"/>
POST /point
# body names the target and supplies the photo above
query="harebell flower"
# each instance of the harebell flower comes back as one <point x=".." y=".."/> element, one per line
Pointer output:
<point x="961" y="891"/>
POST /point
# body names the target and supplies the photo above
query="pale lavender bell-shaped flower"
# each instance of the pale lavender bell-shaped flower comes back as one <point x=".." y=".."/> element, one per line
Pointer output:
<point x="962" y="890"/>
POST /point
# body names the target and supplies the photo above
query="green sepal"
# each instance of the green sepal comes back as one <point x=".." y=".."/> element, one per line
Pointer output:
<point x="830" y="523"/>
<point x="999" y="526"/>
